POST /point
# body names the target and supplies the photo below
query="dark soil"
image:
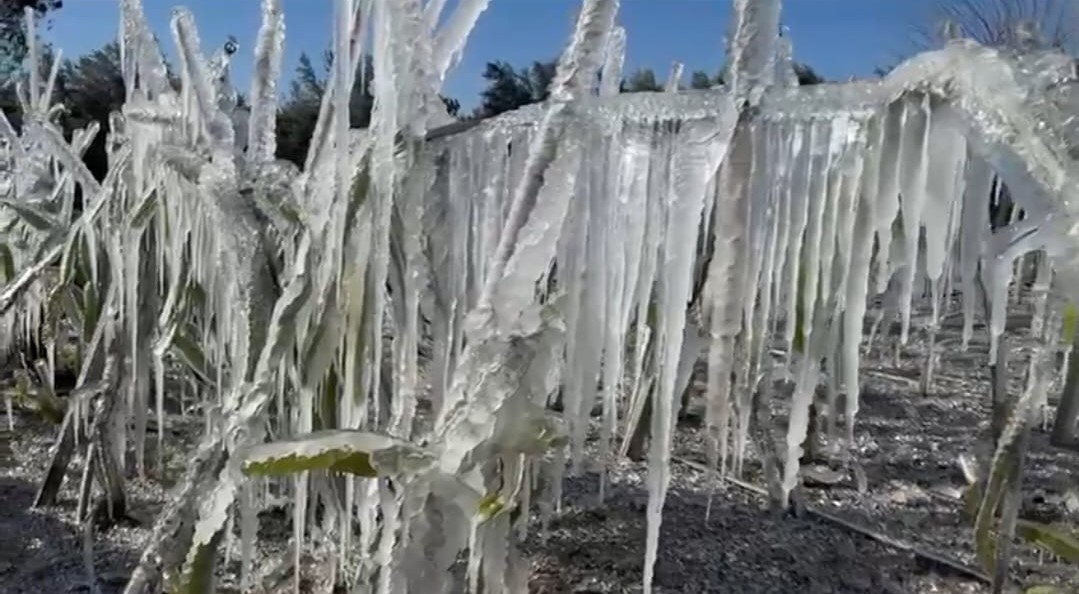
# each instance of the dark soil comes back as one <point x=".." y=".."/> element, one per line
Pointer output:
<point x="741" y="549"/>
<point x="907" y="443"/>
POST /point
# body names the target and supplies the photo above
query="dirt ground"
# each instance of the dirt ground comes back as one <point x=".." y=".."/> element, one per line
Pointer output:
<point x="907" y="443"/>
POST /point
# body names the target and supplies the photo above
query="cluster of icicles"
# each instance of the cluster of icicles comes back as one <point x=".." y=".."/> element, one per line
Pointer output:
<point x="551" y="252"/>
<point x="810" y="212"/>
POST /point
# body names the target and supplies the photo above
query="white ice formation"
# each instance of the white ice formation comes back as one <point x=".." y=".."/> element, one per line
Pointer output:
<point x="444" y="288"/>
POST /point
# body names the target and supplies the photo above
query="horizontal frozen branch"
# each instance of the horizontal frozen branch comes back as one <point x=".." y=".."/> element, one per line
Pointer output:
<point x="1008" y="103"/>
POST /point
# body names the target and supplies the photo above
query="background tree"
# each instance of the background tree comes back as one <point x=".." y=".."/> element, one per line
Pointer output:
<point x="453" y="106"/>
<point x="508" y="88"/>
<point x="642" y="80"/>
<point x="298" y="113"/>
<point x="91" y="88"/>
<point x="13" y="31"/>
<point x="702" y="80"/>
<point x="1003" y="23"/>
<point x="806" y="75"/>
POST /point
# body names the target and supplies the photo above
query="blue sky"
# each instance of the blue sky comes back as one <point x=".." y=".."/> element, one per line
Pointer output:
<point x="839" y="38"/>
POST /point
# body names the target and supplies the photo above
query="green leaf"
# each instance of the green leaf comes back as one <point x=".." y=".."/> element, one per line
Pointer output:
<point x="198" y="572"/>
<point x="1002" y="471"/>
<point x="354" y="452"/>
<point x="972" y="498"/>
<point x="190" y="352"/>
<point x="1056" y="540"/>
<point x="491" y="505"/>
<point x="1071" y="316"/>
<point x="91" y="310"/>
<point x="7" y="262"/>
<point x="505" y="499"/>
<point x="529" y="429"/>
<point x="143" y="211"/>
<point x="42" y="400"/>
<point x="1042" y="589"/>
<point x="984" y="538"/>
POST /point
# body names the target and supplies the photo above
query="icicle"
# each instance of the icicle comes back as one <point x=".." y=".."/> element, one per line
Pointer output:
<point x="702" y="147"/>
<point x="656" y="209"/>
<point x="617" y="184"/>
<point x="861" y="254"/>
<point x="944" y="185"/>
<point x="997" y="275"/>
<point x="385" y="124"/>
<point x="612" y="66"/>
<point x="790" y="145"/>
<point x="852" y="169"/>
<point x="830" y="218"/>
<point x="814" y="320"/>
<point x="973" y="230"/>
<point x="914" y="168"/>
<point x="894" y="123"/>
<point x="806" y="143"/>
<point x="576" y="278"/>
<point x="820" y="166"/>
<point x="595" y="299"/>
<point x="760" y="196"/>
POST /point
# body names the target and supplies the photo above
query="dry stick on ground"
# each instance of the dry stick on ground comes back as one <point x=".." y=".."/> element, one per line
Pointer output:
<point x="920" y="552"/>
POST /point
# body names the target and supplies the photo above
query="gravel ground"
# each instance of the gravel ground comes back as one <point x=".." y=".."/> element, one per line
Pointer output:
<point x="908" y="445"/>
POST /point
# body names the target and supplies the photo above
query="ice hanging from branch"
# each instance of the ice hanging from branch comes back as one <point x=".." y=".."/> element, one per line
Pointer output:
<point x="591" y="211"/>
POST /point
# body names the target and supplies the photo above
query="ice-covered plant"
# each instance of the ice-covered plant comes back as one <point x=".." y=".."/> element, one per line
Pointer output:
<point x="380" y="333"/>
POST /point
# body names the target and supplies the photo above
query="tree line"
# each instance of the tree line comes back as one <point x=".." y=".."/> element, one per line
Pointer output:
<point x="90" y="87"/>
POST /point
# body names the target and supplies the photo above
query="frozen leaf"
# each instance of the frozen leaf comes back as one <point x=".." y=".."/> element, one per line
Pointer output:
<point x="355" y="452"/>
<point x="1058" y="540"/>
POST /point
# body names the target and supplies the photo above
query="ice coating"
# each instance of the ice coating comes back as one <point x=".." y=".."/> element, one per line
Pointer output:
<point x="582" y="248"/>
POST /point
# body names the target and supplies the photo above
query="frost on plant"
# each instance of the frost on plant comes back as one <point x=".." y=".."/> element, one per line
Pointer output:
<point x="384" y="334"/>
